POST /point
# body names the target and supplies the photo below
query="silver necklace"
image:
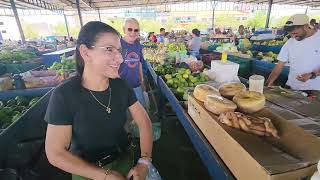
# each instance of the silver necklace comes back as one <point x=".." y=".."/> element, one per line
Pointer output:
<point x="107" y="108"/>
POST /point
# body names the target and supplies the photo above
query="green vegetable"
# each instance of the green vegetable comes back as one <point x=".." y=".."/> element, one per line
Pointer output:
<point x="33" y="101"/>
<point x="14" y="109"/>
<point x="22" y="101"/>
<point x="11" y="102"/>
<point x="9" y="56"/>
<point x="64" y="66"/>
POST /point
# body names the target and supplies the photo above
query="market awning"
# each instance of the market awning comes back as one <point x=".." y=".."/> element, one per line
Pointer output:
<point x="111" y="4"/>
<point x="89" y="5"/>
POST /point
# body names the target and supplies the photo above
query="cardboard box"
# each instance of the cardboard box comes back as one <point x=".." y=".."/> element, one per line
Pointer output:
<point x="250" y="157"/>
<point x="293" y="101"/>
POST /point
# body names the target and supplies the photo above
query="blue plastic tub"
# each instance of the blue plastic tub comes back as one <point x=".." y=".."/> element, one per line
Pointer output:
<point x="265" y="48"/>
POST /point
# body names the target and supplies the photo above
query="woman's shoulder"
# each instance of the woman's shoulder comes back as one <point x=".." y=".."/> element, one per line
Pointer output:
<point x="70" y="85"/>
<point x="119" y="83"/>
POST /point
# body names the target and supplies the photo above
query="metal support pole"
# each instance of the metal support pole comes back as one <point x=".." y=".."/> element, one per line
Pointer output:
<point x="16" y="16"/>
<point x="99" y="14"/>
<point x="213" y="3"/>
<point x="269" y="13"/>
<point x="79" y="12"/>
<point x="66" y="22"/>
<point x="306" y="12"/>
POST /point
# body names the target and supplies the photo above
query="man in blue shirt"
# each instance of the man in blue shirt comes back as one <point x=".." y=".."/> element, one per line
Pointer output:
<point x="160" y="37"/>
<point x="131" y="68"/>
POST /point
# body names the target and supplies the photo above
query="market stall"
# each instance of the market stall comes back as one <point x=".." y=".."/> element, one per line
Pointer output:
<point x="49" y="58"/>
<point x="229" y="149"/>
<point x="280" y="103"/>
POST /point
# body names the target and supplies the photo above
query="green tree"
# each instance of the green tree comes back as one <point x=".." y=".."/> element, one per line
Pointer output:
<point x="59" y="29"/>
<point x="198" y="25"/>
<point x="29" y="32"/>
<point x="74" y="31"/>
<point x="258" y="20"/>
<point x="149" y="25"/>
<point x="116" y="23"/>
<point x="227" y="21"/>
<point x="169" y="24"/>
<point x="280" y="22"/>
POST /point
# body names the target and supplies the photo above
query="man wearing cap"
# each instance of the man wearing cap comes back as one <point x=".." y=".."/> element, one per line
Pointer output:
<point x="160" y="37"/>
<point x="302" y="53"/>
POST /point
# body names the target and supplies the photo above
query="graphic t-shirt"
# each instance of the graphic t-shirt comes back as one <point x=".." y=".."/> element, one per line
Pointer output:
<point x="132" y="57"/>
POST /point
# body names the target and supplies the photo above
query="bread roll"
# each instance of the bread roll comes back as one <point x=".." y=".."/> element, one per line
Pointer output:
<point x="231" y="89"/>
<point x="202" y="90"/>
<point x="249" y="101"/>
<point x="217" y="104"/>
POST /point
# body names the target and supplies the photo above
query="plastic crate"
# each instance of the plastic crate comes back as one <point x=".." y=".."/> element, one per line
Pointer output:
<point x="207" y="58"/>
<point x="264" y="48"/>
<point x="29" y="128"/>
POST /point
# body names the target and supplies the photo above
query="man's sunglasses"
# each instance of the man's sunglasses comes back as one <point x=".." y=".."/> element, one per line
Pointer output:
<point x="134" y="30"/>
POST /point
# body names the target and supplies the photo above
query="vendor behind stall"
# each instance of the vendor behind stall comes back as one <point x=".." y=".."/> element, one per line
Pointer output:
<point x="240" y="34"/>
<point x="194" y="43"/>
<point x="302" y="53"/>
<point x="161" y="36"/>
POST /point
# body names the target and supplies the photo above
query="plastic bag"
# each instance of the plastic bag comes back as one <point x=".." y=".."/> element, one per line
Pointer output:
<point x="146" y="100"/>
<point x="153" y="173"/>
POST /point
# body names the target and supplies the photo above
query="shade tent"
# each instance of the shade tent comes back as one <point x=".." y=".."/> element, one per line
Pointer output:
<point x="89" y="5"/>
<point x="60" y="6"/>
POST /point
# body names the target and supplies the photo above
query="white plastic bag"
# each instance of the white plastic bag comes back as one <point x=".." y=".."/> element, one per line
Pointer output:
<point x="146" y="100"/>
<point x="153" y="173"/>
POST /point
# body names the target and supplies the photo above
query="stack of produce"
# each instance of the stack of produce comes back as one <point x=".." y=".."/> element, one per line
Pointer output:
<point x="267" y="56"/>
<point x="162" y="70"/>
<point x="64" y="67"/>
<point x="12" y="109"/>
<point x="154" y="55"/>
<point x="227" y="47"/>
<point x="183" y="79"/>
<point x="213" y="46"/>
<point x="270" y="43"/>
<point x="58" y="72"/>
<point x="195" y="65"/>
<point x="41" y="78"/>
<point x="244" y="44"/>
<point x="177" y="47"/>
<point x="18" y="56"/>
<point x="233" y="96"/>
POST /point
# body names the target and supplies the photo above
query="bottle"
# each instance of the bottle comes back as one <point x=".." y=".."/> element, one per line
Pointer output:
<point x="224" y="56"/>
<point x="18" y="82"/>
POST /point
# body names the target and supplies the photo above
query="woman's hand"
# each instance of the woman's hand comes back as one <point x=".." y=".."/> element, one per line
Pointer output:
<point x="138" y="172"/>
<point x="112" y="175"/>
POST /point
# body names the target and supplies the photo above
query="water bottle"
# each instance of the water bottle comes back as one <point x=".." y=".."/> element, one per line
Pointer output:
<point x="18" y="82"/>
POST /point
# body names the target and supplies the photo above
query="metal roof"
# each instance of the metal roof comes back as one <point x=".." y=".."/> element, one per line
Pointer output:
<point x="108" y="4"/>
<point x="89" y="5"/>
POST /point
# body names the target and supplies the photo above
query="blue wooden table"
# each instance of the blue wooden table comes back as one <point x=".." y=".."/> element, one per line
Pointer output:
<point x="152" y="73"/>
<point x="216" y="168"/>
<point x="6" y="95"/>
<point x="49" y="58"/>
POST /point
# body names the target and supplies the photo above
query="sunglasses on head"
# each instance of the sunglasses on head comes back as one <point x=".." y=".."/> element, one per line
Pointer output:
<point x="134" y="30"/>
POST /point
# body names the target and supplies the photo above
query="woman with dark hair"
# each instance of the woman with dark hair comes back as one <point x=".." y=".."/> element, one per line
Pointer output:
<point x="152" y="37"/>
<point x="87" y="113"/>
<point x="195" y="43"/>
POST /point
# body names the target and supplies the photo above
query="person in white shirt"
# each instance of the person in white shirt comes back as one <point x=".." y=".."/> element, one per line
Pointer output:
<point x="302" y="53"/>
